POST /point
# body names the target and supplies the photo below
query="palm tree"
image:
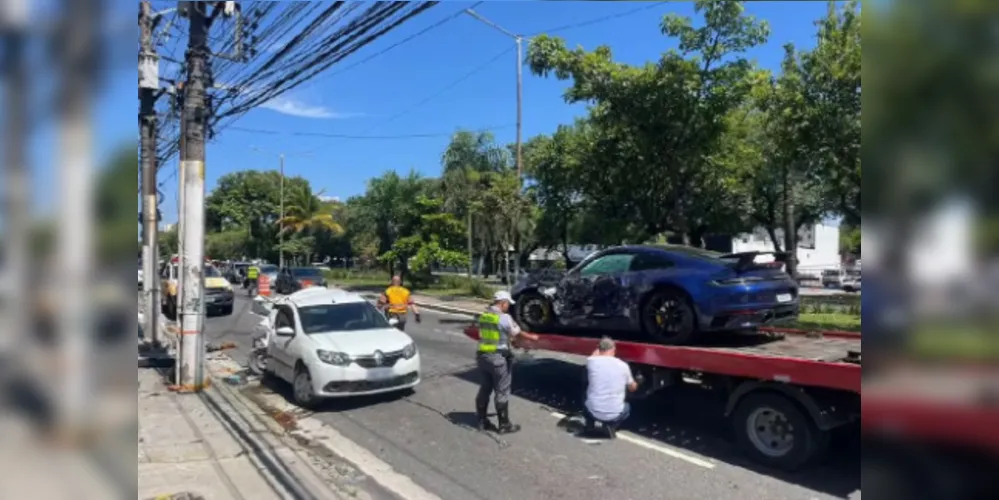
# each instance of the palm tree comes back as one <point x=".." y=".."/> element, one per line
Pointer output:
<point x="304" y="211"/>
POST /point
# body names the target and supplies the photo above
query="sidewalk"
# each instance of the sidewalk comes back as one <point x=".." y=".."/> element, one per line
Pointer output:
<point x="213" y="446"/>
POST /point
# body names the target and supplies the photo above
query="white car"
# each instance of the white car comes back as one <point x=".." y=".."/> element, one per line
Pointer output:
<point x="331" y="343"/>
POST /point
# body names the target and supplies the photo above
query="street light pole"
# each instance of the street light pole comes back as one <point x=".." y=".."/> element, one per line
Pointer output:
<point x="520" y="121"/>
<point x="520" y="84"/>
<point x="281" y="157"/>
<point x="281" y="220"/>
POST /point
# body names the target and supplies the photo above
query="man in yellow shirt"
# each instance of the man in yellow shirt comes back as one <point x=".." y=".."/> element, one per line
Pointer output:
<point x="397" y="302"/>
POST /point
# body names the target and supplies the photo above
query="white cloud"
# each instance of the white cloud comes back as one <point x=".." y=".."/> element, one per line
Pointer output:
<point x="294" y="107"/>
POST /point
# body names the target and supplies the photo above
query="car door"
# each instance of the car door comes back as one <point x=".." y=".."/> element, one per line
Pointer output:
<point x="593" y="293"/>
<point x="280" y="349"/>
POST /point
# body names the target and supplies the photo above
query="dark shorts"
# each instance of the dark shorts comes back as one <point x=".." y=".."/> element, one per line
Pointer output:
<point x="400" y="317"/>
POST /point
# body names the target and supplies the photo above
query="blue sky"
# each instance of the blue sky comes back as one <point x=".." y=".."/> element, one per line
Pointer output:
<point x="360" y="100"/>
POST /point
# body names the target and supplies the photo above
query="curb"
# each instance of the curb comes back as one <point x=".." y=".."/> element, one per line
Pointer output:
<point x="292" y="424"/>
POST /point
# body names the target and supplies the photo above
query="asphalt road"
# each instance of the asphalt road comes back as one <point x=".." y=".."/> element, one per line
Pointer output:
<point x="674" y="447"/>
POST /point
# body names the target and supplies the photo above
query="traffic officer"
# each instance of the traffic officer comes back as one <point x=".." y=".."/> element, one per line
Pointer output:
<point x="397" y="302"/>
<point x="251" y="277"/>
<point x="497" y="332"/>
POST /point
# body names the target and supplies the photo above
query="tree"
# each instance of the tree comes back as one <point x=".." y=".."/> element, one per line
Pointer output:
<point x="831" y="83"/>
<point x="660" y="122"/>
<point x="436" y="241"/>
<point x="554" y="163"/>
<point x="465" y="163"/>
<point x="304" y="211"/>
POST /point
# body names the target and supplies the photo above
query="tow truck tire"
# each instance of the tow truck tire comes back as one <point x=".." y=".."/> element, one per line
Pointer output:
<point x="775" y="432"/>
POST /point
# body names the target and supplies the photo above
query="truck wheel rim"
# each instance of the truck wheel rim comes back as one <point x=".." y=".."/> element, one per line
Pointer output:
<point x="770" y="432"/>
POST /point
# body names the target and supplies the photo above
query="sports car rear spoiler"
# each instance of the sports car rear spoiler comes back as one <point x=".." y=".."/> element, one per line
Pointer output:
<point x="747" y="260"/>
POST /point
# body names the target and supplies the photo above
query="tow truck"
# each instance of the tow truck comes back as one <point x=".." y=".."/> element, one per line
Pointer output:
<point x="785" y="390"/>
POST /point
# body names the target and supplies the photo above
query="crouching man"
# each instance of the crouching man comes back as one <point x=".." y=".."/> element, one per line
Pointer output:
<point x="609" y="381"/>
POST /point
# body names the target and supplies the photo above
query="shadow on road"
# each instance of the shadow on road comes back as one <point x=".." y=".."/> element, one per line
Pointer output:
<point x="686" y="418"/>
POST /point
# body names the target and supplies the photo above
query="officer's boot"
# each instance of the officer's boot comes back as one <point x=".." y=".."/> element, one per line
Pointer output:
<point x="482" y="413"/>
<point x="505" y="426"/>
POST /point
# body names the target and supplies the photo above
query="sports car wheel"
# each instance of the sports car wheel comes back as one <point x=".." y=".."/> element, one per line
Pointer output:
<point x="534" y="312"/>
<point x="668" y="318"/>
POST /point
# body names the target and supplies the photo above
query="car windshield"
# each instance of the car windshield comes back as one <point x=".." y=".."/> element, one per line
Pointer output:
<point x="268" y="269"/>
<point x="212" y="272"/>
<point x="307" y="272"/>
<point x="349" y="317"/>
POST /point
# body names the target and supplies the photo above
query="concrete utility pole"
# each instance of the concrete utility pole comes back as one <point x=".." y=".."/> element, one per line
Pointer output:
<point x="16" y="258"/>
<point x="281" y="157"/>
<point x="148" y="91"/>
<point x="79" y="57"/>
<point x="520" y="115"/>
<point x="281" y="219"/>
<point x="194" y="117"/>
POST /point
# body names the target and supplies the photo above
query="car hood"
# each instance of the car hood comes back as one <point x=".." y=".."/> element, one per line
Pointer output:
<point x="217" y="283"/>
<point x="363" y="342"/>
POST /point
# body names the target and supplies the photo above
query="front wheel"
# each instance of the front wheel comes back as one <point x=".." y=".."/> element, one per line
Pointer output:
<point x="258" y="362"/>
<point x="773" y="431"/>
<point x="302" y="389"/>
<point x="667" y="317"/>
<point x="534" y="312"/>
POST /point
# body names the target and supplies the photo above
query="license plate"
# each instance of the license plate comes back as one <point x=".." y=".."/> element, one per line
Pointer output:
<point x="380" y="373"/>
<point x="784" y="297"/>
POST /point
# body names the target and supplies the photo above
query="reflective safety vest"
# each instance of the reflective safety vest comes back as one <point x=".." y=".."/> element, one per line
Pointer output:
<point x="251" y="273"/>
<point x="489" y="332"/>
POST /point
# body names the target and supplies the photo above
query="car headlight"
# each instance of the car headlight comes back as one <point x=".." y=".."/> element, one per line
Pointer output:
<point x="333" y="358"/>
<point x="409" y="351"/>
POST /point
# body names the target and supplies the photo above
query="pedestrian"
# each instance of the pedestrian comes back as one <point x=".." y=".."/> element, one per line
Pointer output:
<point x="251" y="278"/>
<point x="497" y="332"/>
<point x="397" y="302"/>
<point x="609" y="381"/>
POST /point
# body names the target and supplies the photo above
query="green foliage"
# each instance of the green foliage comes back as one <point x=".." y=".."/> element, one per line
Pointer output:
<point x="658" y="124"/>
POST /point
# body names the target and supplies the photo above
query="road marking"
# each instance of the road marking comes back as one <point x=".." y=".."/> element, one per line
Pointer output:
<point x="633" y="439"/>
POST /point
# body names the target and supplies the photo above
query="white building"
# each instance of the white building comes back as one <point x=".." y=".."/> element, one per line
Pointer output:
<point x="818" y="246"/>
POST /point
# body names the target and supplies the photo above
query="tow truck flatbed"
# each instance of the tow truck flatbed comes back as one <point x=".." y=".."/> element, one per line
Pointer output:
<point x="785" y="390"/>
<point x="831" y="361"/>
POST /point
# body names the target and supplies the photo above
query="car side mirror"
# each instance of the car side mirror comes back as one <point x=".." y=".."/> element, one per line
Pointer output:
<point x="285" y="331"/>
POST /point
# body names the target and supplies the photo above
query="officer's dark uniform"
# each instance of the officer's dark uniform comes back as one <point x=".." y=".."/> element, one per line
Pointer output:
<point x="495" y="361"/>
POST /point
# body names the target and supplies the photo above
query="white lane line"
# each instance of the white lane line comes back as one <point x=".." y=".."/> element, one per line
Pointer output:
<point x="633" y="439"/>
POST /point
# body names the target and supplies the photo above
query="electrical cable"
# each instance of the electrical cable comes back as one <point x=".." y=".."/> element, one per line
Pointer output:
<point x="346" y="136"/>
<point x="599" y="19"/>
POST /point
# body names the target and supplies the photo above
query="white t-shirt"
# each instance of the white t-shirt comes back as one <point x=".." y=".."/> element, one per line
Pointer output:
<point x="608" y="385"/>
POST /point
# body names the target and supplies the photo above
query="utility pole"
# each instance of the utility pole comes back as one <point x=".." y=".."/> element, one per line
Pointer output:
<point x="520" y="115"/>
<point x="78" y="53"/>
<point x="281" y="219"/>
<point x="281" y="157"/>
<point x="16" y="180"/>
<point x="148" y="91"/>
<point x="470" y="257"/>
<point x="520" y="110"/>
<point x="194" y="118"/>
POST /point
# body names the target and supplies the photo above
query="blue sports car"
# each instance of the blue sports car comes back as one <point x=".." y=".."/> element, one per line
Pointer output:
<point x="665" y="294"/>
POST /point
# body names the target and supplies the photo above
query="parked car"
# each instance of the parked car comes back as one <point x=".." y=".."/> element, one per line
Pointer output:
<point x="219" y="295"/>
<point x="332" y="343"/>
<point x="293" y="279"/>
<point x="666" y="294"/>
<point x="851" y="283"/>
<point x="833" y="278"/>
